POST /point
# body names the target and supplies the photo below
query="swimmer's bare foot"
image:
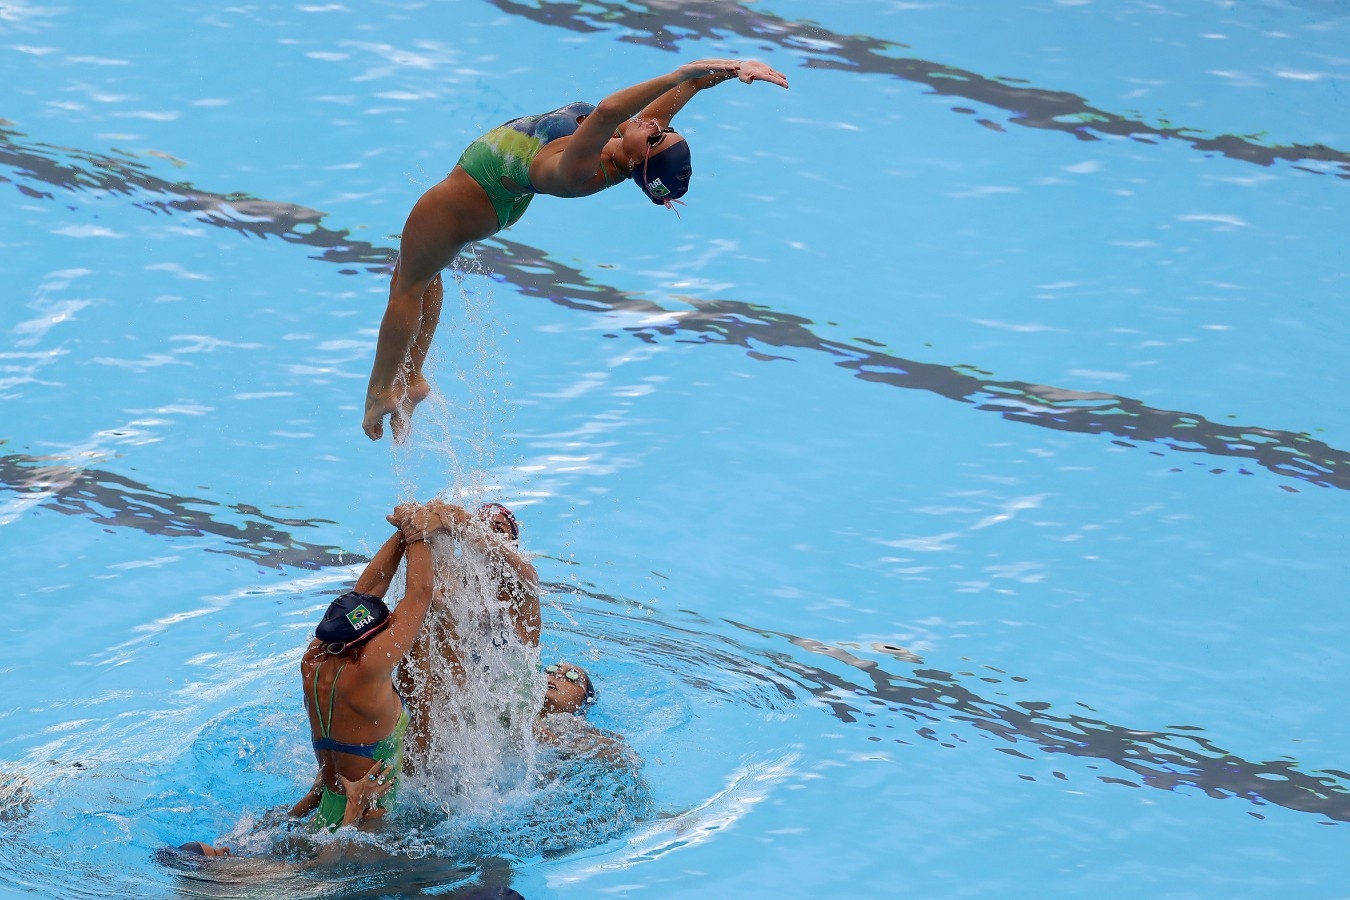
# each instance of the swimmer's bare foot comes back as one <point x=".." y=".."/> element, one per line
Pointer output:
<point x="378" y="405"/>
<point x="376" y="409"/>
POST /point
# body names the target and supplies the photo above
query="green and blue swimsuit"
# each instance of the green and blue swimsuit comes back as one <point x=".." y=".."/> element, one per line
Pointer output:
<point x="508" y="150"/>
<point x="332" y="805"/>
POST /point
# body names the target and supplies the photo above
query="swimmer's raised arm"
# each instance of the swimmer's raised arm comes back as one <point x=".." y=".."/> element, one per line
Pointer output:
<point x="664" y="107"/>
<point x="522" y="568"/>
<point x="525" y="613"/>
<point x="416" y="523"/>
<point x="379" y="572"/>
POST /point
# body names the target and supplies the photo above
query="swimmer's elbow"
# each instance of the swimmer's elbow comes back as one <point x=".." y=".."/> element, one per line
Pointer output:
<point x="609" y="113"/>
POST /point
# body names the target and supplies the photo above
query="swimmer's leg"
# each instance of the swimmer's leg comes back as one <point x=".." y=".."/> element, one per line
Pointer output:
<point x="396" y="381"/>
<point x="405" y="335"/>
<point x="416" y="387"/>
<point x="441" y="223"/>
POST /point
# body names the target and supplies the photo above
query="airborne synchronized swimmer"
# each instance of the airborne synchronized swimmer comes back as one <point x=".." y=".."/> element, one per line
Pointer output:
<point x="575" y="151"/>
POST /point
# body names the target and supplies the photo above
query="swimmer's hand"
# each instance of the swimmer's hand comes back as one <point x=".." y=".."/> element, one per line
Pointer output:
<point x="452" y="515"/>
<point x="754" y="70"/>
<point x="719" y="70"/>
<point x="701" y="68"/>
<point x="365" y="792"/>
<point x="417" y="522"/>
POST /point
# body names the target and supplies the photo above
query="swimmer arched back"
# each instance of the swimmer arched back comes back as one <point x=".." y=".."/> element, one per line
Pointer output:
<point x="574" y="151"/>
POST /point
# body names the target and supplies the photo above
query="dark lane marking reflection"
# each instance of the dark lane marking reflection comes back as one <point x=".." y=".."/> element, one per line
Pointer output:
<point x="107" y="498"/>
<point x="664" y="24"/>
<point x="929" y="697"/>
<point x="48" y="167"/>
<point x="724" y="322"/>
<point x="1167" y="760"/>
<point x="756" y="328"/>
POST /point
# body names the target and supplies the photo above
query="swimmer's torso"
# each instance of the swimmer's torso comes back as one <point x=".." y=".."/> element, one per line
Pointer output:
<point x="519" y="141"/>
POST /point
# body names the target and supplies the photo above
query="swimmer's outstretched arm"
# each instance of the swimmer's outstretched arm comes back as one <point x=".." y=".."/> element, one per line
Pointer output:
<point x="664" y="107"/>
<point x="575" y="168"/>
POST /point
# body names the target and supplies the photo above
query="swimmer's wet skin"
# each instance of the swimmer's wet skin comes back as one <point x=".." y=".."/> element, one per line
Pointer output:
<point x="573" y="151"/>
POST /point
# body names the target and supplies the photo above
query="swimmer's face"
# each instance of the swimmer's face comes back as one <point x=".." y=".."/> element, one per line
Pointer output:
<point x="566" y="690"/>
<point x="499" y="521"/>
<point x="641" y="137"/>
<point x="499" y="524"/>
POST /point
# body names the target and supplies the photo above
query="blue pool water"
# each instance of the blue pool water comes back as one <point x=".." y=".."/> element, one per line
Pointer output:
<point x="947" y="502"/>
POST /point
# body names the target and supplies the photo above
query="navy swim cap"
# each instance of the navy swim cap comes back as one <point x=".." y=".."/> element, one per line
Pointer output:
<point x="351" y="619"/>
<point x="664" y="176"/>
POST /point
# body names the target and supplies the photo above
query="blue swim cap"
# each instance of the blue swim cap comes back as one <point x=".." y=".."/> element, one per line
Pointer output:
<point x="664" y="175"/>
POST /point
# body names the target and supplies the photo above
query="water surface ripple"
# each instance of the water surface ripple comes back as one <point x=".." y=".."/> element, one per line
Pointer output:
<point x="1294" y="455"/>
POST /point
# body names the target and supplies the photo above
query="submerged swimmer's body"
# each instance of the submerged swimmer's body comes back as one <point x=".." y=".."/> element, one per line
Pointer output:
<point x="575" y="151"/>
<point x="433" y="674"/>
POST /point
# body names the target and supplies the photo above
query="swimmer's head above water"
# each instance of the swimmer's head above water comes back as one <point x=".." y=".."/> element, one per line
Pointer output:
<point x="200" y="849"/>
<point x="569" y="689"/>
<point x="190" y="856"/>
<point x="500" y="519"/>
